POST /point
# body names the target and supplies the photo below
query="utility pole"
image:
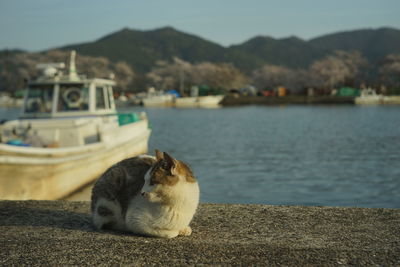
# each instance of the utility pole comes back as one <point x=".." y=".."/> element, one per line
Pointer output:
<point x="181" y="81"/>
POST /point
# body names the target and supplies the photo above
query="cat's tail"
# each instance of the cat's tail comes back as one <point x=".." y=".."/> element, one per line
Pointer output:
<point x="107" y="214"/>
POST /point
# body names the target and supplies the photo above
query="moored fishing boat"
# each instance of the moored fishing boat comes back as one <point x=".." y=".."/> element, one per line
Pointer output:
<point x="155" y="98"/>
<point x="186" y="102"/>
<point x="69" y="132"/>
<point x="165" y="100"/>
<point x="369" y="97"/>
<point x="210" y="101"/>
<point x="391" y="100"/>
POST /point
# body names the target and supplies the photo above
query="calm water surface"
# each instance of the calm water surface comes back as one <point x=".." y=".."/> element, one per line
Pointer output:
<point x="294" y="155"/>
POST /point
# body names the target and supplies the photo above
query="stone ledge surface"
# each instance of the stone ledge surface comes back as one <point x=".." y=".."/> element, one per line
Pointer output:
<point x="60" y="233"/>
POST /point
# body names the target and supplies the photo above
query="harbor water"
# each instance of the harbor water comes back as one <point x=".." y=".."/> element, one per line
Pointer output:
<point x="284" y="155"/>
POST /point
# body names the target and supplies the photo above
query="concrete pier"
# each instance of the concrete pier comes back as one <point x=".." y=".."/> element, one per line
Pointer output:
<point x="60" y="233"/>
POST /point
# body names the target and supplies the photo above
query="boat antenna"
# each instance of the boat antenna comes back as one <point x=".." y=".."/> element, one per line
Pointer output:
<point x="72" y="68"/>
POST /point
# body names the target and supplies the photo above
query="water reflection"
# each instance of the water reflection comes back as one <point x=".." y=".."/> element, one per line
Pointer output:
<point x="296" y="155"/>
<point x="320" y="155"/>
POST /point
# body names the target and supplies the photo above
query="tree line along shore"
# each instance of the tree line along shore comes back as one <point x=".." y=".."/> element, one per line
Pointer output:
<point x="340" y="69"/>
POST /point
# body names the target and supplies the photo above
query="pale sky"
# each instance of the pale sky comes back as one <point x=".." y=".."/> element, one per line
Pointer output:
<point x="41" y="24"/>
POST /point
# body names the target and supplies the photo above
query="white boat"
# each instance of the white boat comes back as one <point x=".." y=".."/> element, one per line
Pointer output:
<point x="154" y="98"/>
<point x="68" y="134"/>
<point x="391" y="100"/>
<point x="9" y="102"/>
<point x="211" y="101"/>
<point x="165" y="100"/>
<point x="369" y="97"/>
<point x="186" y="102"/>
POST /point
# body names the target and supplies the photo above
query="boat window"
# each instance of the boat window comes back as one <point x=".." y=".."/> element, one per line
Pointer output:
<point x="100" y="103"/>
<point x="39" y="99"/>
<point x="73" y="97"/>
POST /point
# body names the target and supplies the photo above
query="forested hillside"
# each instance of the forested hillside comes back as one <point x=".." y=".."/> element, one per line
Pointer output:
<point x="165" y="57"/>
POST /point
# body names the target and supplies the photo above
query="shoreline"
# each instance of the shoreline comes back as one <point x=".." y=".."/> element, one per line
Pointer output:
<point x="287" y="100"/>
<point x="60" y="233"/>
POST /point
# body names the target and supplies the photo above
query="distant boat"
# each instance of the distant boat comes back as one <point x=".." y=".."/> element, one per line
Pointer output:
<point x="186" y="102"/>
<point x="369" y="97"/>
<point x="155" y="98"/>
<point x="165" y="100"/>
<point x="10" y="102"/>
<point x="211" y="101"/>
<point x="68" y="134"/>
<point x="391" y="100"/>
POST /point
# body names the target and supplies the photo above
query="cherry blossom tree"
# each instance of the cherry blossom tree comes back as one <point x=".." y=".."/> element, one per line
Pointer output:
<point x="390" y="71"/>
<point x="222" y="75"/>
<point x="336" y="69"/>
<point x="272" y="76"/>
<point x="16" y="68"/>
<point x="181" y="74"/>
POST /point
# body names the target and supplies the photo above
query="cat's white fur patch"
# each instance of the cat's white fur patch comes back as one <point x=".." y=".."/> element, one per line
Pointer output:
<point x="157" y="219"/>
<point x="147" y="188"/>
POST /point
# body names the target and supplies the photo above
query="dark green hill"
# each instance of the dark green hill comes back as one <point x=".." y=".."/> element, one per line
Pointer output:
<point x="290" y="52"/>
<point x="373" y="44"/>
<point x="141" y="49"/>
<point x="10" y="52"/>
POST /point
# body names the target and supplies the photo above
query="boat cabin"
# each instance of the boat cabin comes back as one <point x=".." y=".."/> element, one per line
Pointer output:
<point x="64" y="110"/>
<point x="57" y="95"/>
<point x="64" y="98"/>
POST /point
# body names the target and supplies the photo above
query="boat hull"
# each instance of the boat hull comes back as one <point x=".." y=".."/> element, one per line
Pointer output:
<point x="369" y="100"/>
<point x="391" y="100"/>
<point x="54" y="173"/>
<point x="199" y="102"/>
<point x="159" y="101"/>
<point x="210" y="101"/>
<point x="186" y="102"/>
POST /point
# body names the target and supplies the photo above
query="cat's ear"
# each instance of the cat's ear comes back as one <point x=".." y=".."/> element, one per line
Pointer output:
<point x="171" y="163"/>
<point x="159" y="155"/>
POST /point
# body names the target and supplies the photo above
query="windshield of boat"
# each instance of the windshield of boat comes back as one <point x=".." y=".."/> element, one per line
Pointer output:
<point x="39" y="99"/>
<point x="73" y="97"/>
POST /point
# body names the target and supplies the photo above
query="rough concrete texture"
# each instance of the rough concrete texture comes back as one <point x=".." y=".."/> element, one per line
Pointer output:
<point x="60" y="233"/>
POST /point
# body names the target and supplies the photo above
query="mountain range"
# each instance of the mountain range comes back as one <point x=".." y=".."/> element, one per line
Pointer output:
<point x="142" y="49"/>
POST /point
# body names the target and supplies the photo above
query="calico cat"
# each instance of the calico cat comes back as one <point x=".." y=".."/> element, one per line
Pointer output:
<point x="153" y="196"/>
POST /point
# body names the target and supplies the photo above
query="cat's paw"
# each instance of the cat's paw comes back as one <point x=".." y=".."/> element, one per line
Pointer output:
<point x="187" y="231"/>
<point x="169" y="234"/>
